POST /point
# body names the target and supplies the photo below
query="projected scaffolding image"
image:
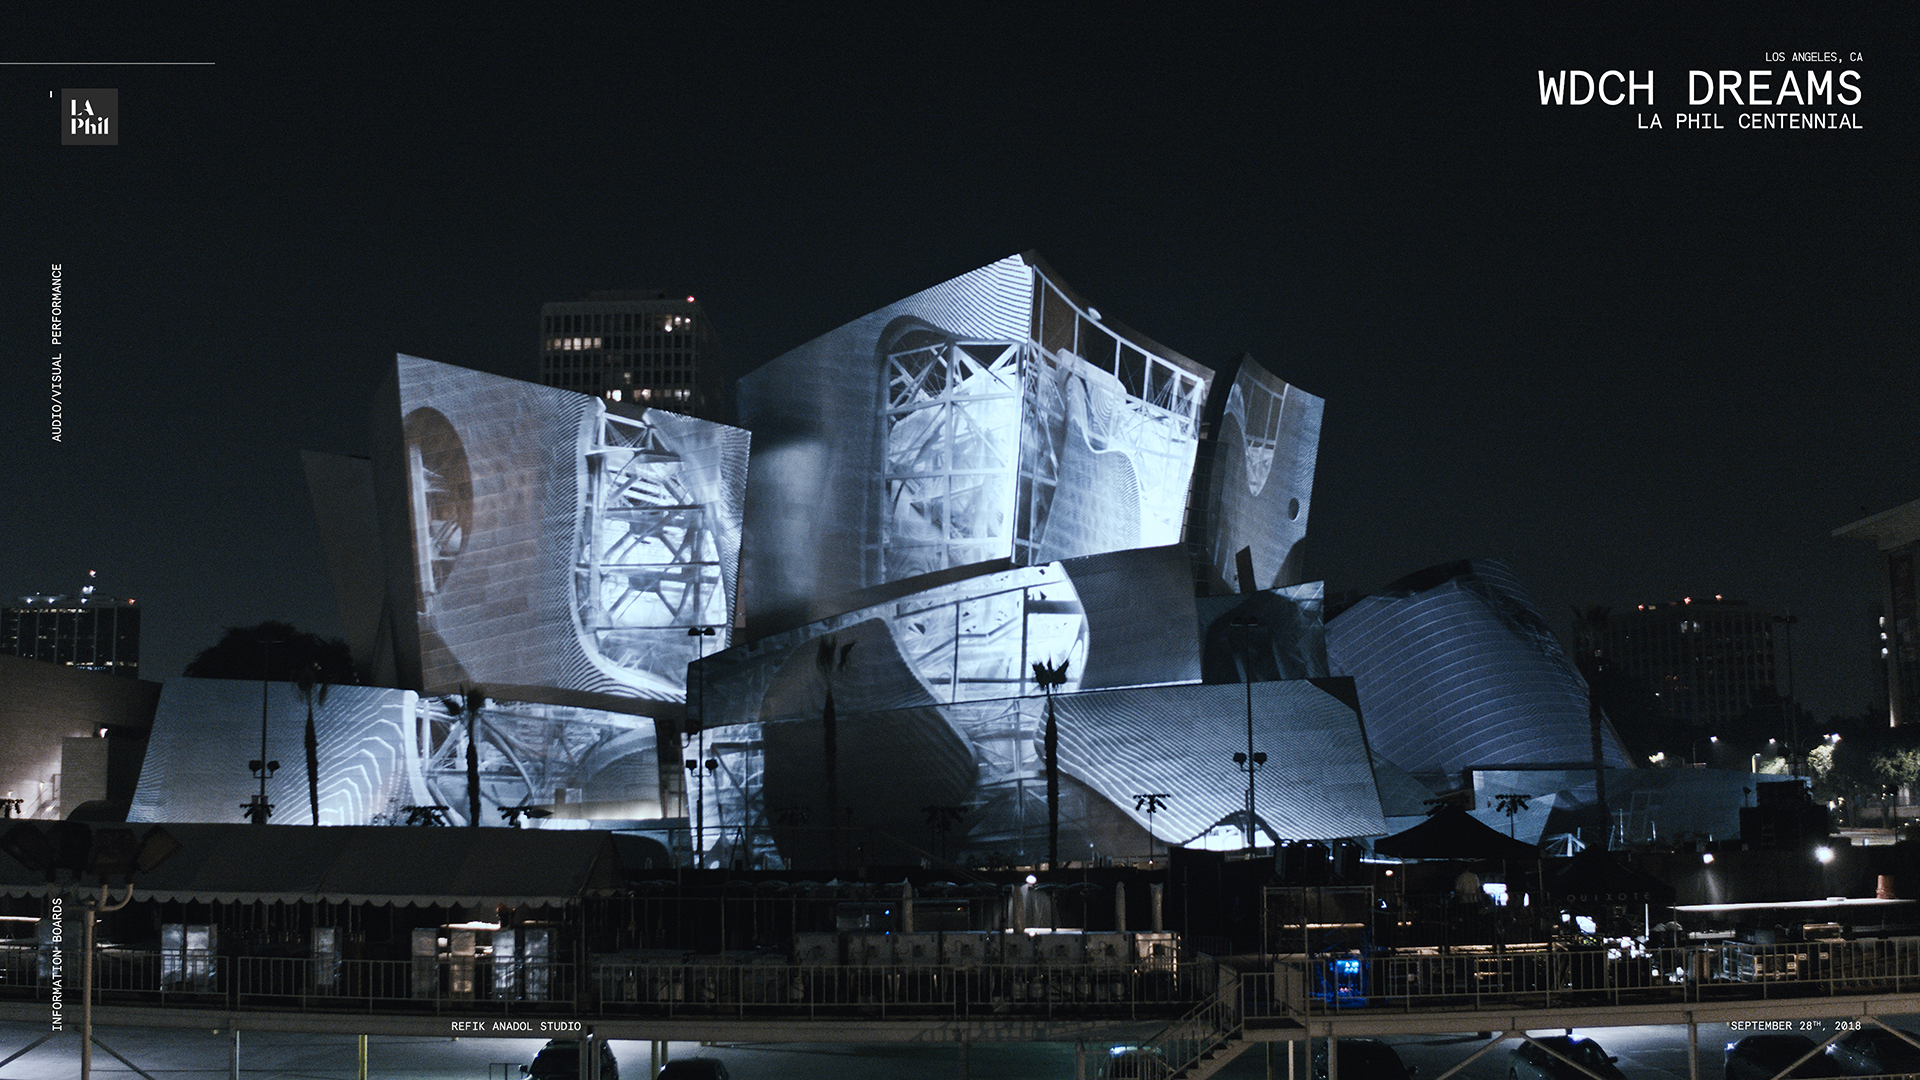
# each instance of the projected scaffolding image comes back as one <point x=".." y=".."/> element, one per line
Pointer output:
<point x="559" y="761"/>
<point x="657" y="547"/>
<point x="953" y="424"/>
<point x="1015" y="425"/>
<point x="559" y="543"/>
<point x="380" y="755"/>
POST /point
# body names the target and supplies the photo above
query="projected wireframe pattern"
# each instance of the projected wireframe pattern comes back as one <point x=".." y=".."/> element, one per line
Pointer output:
<point x="1456" y="669"/>
<point x="560" y="544"/>
<point x="1317" y="782"/>
<point x="381" y="751"/>
<point x="1260" y="488"/>
<point x="1015" y="425"/>
<point x="207" y="730"/>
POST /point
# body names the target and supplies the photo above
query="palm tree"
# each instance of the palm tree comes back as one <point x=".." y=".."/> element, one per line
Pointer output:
<point x="313" y="686"/>
<point x="471" y="701"/>
<point x="1049" y="677"/>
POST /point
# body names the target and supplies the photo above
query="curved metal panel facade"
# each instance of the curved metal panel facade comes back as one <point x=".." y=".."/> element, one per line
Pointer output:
<point x="1455" y="669"/>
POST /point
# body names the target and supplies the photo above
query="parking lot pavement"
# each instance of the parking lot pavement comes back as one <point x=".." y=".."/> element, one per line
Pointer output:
<point x="195" y="1054"/>
<point x="1645" y="1053"/>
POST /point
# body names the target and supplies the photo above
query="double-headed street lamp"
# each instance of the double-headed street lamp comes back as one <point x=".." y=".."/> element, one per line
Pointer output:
<point x="1251" y="760"/>
<point x="700" y="634"/>
<point x="1250" y="764"/>
<point x="257" y="808"/>
<point x="1151" y="802"/>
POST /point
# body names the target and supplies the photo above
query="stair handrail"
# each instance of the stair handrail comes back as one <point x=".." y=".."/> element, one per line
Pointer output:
<point x="1206" y="1027"/>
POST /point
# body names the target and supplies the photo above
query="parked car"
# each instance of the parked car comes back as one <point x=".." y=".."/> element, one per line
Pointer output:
<point x="1362" y="1059"/>
<point x="694" y="1068"/>
<point x="1535" y="1060"/>
<point x="1875" y="1051"/>
<point x="1763" y="1057"/>
<point x="560" y="1060"/>
<point x="1128" y="1062"/>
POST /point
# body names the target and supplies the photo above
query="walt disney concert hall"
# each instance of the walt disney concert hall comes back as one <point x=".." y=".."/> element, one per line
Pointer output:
<point x="839" y="630"/>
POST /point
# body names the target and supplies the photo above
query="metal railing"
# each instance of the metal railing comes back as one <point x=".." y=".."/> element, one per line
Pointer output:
<point x="1520" y="977"/>
<point x="1288" y="988"/>
<point x="477" y="985"/>
<point x="1202" y="1032"/>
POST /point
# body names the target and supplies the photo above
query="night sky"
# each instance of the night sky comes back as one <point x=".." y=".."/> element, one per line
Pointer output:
<point x="1636" y="364"/>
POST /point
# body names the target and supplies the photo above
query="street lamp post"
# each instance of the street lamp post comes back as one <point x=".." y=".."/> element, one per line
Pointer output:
<point x="258" y="809"/>
<point x="106" y="854"/>
<point x="1249" y="761"/>
<point x="700" y="634"/>
<point x="1791" y="727"/>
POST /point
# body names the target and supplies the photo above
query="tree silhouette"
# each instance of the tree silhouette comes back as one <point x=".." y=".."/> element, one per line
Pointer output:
<point x="295" y="655"/>
<point x="1050" y="676"/>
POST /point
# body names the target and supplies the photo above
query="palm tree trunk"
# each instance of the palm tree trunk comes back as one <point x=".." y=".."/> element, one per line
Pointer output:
<point x="473" y="759"/>
<point x="1053" y="787"/>
<point x="313" y="765"/>
<point x="830" y="744"/>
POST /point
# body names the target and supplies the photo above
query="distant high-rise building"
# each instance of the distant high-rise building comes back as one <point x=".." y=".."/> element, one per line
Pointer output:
<point x="634" y="346"/>
<point x="1897" y="534"/>
<point x="88" y="632"/>
<point x="1708" y="659"/>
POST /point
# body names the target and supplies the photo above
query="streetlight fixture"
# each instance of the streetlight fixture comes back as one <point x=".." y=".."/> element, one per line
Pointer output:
<point x="1250" y="764"/>
<point x="1151" y="803"/>
<point x="1712" y="740"/>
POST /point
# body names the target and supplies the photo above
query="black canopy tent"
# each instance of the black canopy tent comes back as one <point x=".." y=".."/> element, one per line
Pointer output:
<point x="1452" y="833"/>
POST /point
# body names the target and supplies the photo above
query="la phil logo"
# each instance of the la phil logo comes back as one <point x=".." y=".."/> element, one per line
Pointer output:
<point x="89" y="117"/>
